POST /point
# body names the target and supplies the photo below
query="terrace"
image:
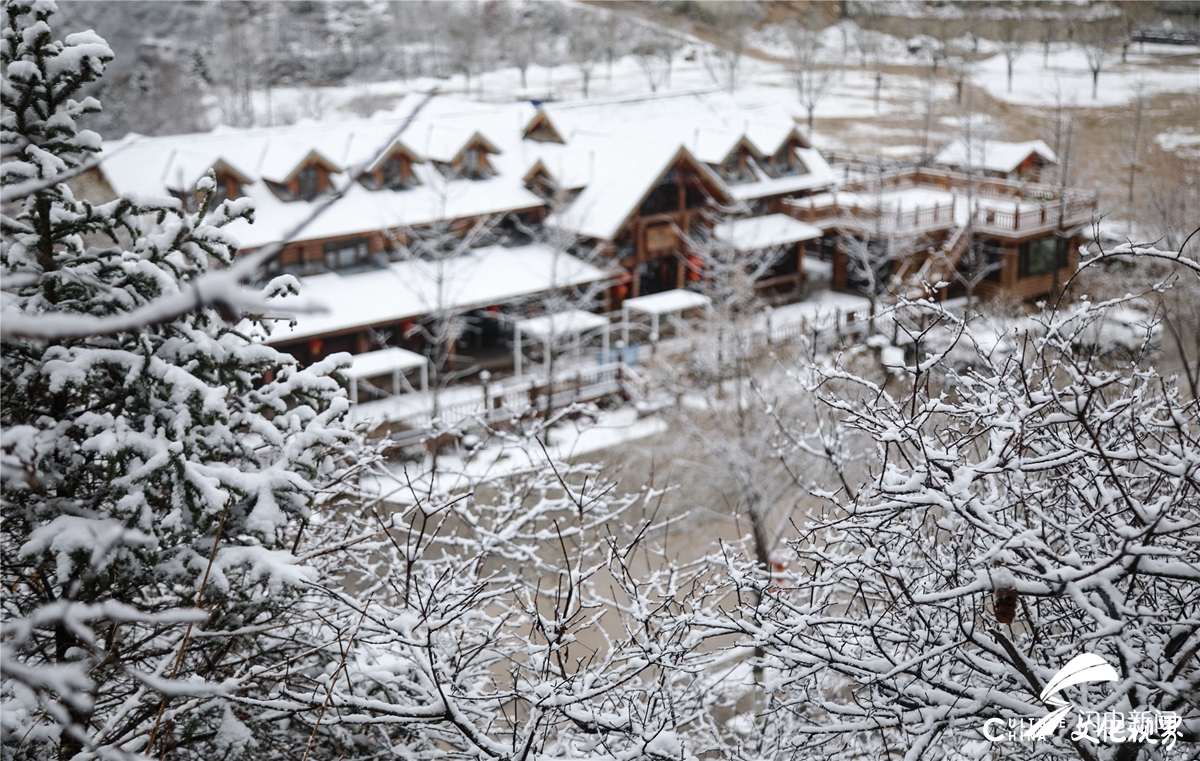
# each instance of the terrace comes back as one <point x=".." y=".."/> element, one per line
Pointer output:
<point x="918" y="200"/>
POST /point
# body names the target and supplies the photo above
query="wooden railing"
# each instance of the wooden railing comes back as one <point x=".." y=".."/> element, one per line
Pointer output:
<point x="865" y="219"/>
<point x="1053" y="214"/>
<point x="945" y="179"/>
<point x="858" y="216"/>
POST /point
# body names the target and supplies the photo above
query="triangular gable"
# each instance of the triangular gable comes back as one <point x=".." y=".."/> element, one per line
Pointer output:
<point x="224" y="167"/>
<point x="712" y="181"/>
<point x="795" y="137"/>
<point x="743" y="143"/>
<point x="314" y="156"/>
<point x="541" y="128"/>
<point x="397" y="148"/>
<point x="538" y="168"/>
<point x="477" y="139"/>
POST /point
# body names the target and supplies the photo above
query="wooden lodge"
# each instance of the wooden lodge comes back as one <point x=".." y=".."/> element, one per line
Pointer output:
<point x="1005" y="238"/>
<point x="529" y="208"/>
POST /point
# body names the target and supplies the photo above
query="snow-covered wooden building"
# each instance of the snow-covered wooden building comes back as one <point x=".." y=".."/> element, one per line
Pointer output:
<point x="920" y="231"/>
<point x="1026" y="161"/>
<point x="607" y="196"/>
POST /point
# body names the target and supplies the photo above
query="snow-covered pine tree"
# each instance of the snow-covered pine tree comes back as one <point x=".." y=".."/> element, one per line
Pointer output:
<point x="154" y="482"/>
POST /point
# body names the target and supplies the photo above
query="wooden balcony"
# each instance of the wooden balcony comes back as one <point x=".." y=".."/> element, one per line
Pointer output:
<point x="871" y="206"/>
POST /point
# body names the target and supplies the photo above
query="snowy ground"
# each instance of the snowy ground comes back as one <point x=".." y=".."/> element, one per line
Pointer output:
<point x="1155" y="68"/>
<point x="1161" y="68"/>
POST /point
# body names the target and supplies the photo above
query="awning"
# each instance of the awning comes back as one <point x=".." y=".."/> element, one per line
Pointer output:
<point x="667" y="302"/>
<point x="393" y="361"/>
<point x="573" y="322"/>
<point x="658" y="304"/>
<point x="758" y="233"/>
<point x="384" y="362"/>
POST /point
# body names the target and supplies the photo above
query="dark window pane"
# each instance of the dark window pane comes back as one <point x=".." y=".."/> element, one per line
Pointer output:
<point x="1039" y="256"/>
<point x="307" y="181"/>
<point x="393" y="174"/>
<point x="346" y="253"/>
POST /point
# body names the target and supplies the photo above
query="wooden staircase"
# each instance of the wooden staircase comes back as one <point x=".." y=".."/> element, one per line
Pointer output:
<point x="938" y="266"/>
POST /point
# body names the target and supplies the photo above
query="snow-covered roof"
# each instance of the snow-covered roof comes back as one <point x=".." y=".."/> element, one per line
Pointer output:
<point x="667" y="302"/>
<point x="686" y="115"/>
<point x="570" y="322"/>
<point x="757" y="233"/>
<point x="614" y="150"/>
<point x="442" y="129"/>
<point x="993" y="155"/>
<point x="817" y="174"/>
<point x="410" y="289"/>
<point x="384" y="362"/>
<point x="619" y="184"/>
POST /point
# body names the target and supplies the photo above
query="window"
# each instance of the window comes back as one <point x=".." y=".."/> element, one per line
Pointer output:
<point x="542" y="185"/>
<point x="1041" y="256"/>
<point x="347" y="253"/>
<point x="664" y="198"/>
<point x="470" y="167"/>
<point x="308" y="183"/>
<point x="393" y="173"/>
<point x="731" y="170"/>
<point x="470" y="160"/>
<point x="786" y="162"/>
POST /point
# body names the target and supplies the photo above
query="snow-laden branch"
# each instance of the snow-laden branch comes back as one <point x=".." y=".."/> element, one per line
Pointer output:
<point x="1130" y="249"/>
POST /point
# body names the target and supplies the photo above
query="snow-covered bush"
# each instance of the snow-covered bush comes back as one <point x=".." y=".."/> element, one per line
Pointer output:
<point x="1024" y="512"/>
<point x="156" y="479"/>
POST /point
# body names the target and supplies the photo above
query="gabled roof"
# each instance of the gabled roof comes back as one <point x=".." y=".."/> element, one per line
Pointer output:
<point x="396" y="148"/>
<point x="819" y="175"/>
<point x="622" y="182"/>
<point x="993" y="155"/>
<point x="184" y="168"/>
<point x="714" y="147"/>
<point x="224" y="167"/>
<point x="284" y="159"/>
<point x="448" y="143"/>
<point x="615" y="150"/>
<point x="541" y="120"/>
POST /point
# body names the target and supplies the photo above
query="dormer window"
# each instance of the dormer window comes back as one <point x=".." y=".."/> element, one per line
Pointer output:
<point x="737" y="169"/>
<point x="786" y="162"/>
<point x="474" y="165"/>
<point x="393" y="174"/>
<point x="308" y="183"/>
<point x="542" y="185"/>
